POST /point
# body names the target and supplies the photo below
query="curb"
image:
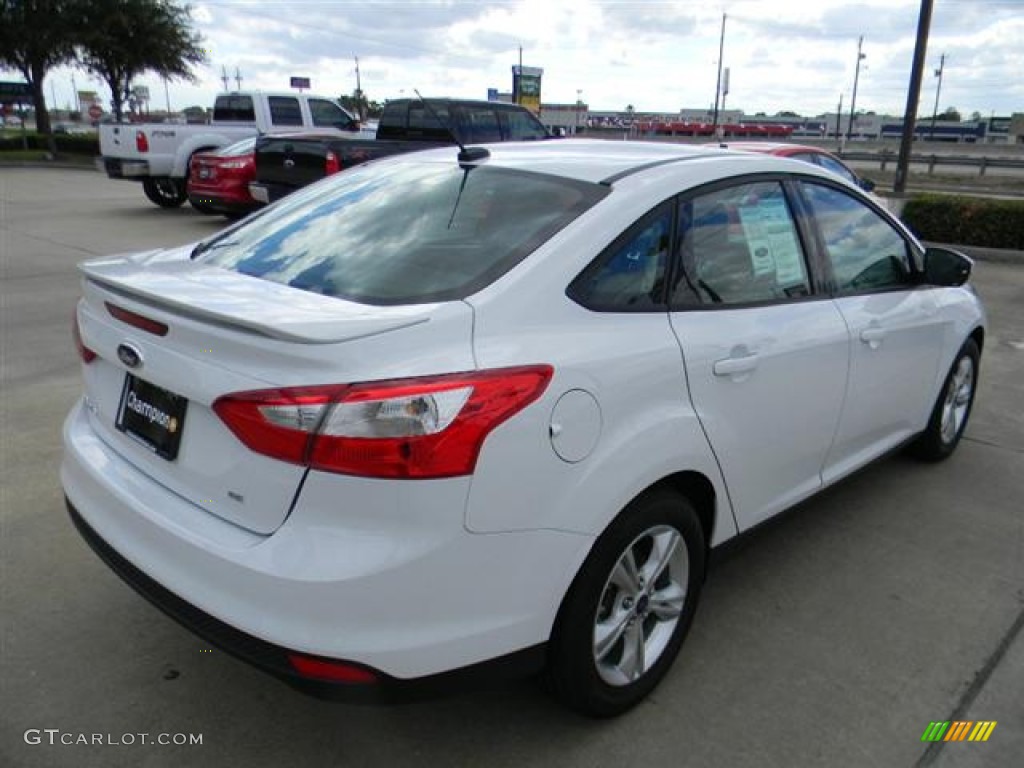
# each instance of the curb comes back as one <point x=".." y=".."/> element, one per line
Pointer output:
<point x="55" y="164"/>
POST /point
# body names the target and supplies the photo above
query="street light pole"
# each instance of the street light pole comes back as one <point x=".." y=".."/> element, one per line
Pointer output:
<point x="856" y="77"/>
<point x="938" y="90"/>
<point x="718" y="82"/>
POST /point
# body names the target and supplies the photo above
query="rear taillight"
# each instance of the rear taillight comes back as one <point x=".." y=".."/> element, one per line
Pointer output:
<point x="84" y="352"/>
<point x="237" y="163"/>
<point x="141" y="142"/>
<point x="332" y="164"/>
<point x="405" y="428"/>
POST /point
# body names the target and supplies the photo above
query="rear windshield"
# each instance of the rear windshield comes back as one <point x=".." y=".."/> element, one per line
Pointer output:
<point x="406" y="232"/>
<point x="234" y="109"/>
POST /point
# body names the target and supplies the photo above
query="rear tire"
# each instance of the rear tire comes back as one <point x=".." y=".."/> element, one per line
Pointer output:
<point x="627" y="613"/>
<point x="165" y="191"/>
<point x="952" y="409"/>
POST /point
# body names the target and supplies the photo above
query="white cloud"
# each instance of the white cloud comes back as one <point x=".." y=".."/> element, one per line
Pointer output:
<point x="659" y="56"/>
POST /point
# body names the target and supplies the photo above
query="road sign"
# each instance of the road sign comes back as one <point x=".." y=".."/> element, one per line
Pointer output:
<point x="14" y="93"/>
<point x="95" y="112"/>
<point x="300" y="82"/>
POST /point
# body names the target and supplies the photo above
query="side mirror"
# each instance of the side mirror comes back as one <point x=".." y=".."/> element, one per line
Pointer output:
<point x="347" y="125"/>
<point x="946" y="267"/>
<point x="866" y="184"/>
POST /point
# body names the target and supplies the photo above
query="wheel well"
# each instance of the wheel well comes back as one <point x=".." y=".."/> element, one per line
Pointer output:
<point x="978" y="334"/>
<point x="701" y="493"/>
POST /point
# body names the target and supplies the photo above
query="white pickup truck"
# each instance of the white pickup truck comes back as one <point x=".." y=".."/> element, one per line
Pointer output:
<point x="158" y="154"/>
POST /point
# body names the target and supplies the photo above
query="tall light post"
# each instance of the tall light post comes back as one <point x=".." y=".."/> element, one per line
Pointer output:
<point x="579" y="107"/>
<point x="938" y="90"/>
<point x="856" y="77"/>
<point x="718" y="82"/>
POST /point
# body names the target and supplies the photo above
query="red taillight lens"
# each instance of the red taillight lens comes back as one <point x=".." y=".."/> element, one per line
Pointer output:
<point x="406" y="428"/>
<point x="332" y="164"/>
<point x="141" y="142"/>
<point x="328" y="669"/>
<point x="84" y="352"/>
<point x="136" y="320"/>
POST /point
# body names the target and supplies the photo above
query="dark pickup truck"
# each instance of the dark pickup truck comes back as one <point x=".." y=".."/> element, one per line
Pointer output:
<point x="285" y="163"/>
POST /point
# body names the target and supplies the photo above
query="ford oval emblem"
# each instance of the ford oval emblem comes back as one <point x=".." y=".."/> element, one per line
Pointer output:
<point x="289" y="163"/>
<point x="129" y="355"/>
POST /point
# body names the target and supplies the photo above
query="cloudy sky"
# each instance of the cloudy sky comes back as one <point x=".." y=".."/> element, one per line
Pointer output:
<point x="658" y="56"/>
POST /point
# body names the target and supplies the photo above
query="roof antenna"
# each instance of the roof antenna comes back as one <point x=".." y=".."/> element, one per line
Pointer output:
<point x="466" y="155"/>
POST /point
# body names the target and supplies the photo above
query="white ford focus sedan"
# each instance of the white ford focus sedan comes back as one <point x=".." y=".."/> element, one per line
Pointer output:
<point x="454" y="415"/>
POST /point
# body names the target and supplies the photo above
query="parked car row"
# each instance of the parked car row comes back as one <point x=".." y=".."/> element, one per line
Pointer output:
<point x="482" y="411"/>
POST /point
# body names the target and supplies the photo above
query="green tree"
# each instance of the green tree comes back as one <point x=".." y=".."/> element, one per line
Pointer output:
<point x="119" y="40"/>
<point x="35" y="37"/>
<point x="950" y="114"/>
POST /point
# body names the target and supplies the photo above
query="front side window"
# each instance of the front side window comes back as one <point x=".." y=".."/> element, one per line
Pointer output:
<point x="404" y="233"/>
<point x="630" y="275"/>
<point x="738" y="245"/>
<point x="327" y="114"/>
<point x="478" y="125"/>
<point x="865" y="251"/>
<point x="284" y="110"/>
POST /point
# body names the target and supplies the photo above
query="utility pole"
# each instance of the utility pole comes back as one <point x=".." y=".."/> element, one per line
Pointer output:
<point x="360" y="112"/>
<point x="924" y="22"/>
<point x="224" y="76"/>
<point x="938" y="90"/>
<point x="839" y="117"/>
<point x="718" y="82"/>
<point x="167" y="97"/>
<point x="856" y="77"/>
<point x="238" y="78"/>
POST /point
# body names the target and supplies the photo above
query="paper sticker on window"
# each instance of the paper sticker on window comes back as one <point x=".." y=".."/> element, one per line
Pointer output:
<point x="772" y="241"/>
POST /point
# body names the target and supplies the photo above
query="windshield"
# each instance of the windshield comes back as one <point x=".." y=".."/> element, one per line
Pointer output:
<point x="408" y="232"/>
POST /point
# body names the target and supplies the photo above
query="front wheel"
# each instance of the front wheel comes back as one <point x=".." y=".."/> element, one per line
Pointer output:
<point x="165" y="192"/>
<point x="952" y="409"/>
<point x="627" y="612"/>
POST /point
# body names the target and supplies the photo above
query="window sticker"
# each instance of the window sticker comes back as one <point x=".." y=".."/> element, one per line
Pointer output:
<point x="772" y="241"/>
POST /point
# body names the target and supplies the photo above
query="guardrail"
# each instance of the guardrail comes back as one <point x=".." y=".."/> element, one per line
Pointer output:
<point x="981" y="163"/>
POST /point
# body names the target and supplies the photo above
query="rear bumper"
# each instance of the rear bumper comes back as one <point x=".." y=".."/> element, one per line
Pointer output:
<point x="117" y="168"/>
<point x="381" y="575"/>
<point x="273" y="659"/>
<point x="266" y="193"/>
<point x="223" y="205"/>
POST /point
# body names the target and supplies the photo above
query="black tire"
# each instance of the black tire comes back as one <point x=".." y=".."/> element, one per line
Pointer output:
<point x="578" y="672"/>
<point x="952" y="408"/>
<point x="165" y="192"/>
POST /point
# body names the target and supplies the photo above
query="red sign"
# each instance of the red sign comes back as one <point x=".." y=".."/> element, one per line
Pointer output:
<point x="95" y="111"/>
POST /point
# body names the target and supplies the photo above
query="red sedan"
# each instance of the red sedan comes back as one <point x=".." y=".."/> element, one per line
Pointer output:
<point x="808" y="154"/>
<point x="218" y="182"/>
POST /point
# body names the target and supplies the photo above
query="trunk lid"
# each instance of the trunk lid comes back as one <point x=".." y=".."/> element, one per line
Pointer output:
<point x="225" y="333"/>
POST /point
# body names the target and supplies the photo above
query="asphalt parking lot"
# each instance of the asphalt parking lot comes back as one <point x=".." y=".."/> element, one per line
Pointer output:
<point x="831" y="636"/>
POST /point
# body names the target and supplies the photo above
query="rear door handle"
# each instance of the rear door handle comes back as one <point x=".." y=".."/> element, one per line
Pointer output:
<point x="873" y="336"/>
<point x="730" y="366"/>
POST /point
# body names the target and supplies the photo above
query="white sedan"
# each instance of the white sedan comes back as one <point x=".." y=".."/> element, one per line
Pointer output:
<point x="452" y="415"/>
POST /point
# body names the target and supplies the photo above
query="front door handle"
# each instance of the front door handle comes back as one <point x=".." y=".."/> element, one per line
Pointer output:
<point x="731" y="366"/>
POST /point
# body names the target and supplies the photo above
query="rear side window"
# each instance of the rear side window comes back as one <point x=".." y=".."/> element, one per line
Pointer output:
<point x="630" y="275"/>
<point x="403" y="233"/>
<point x="738" y="245"/>
<point x="431" y="124"/>
<point x="478" y="125"/>
<point x="234" y="109"/>
<point x="284" y="110"/>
